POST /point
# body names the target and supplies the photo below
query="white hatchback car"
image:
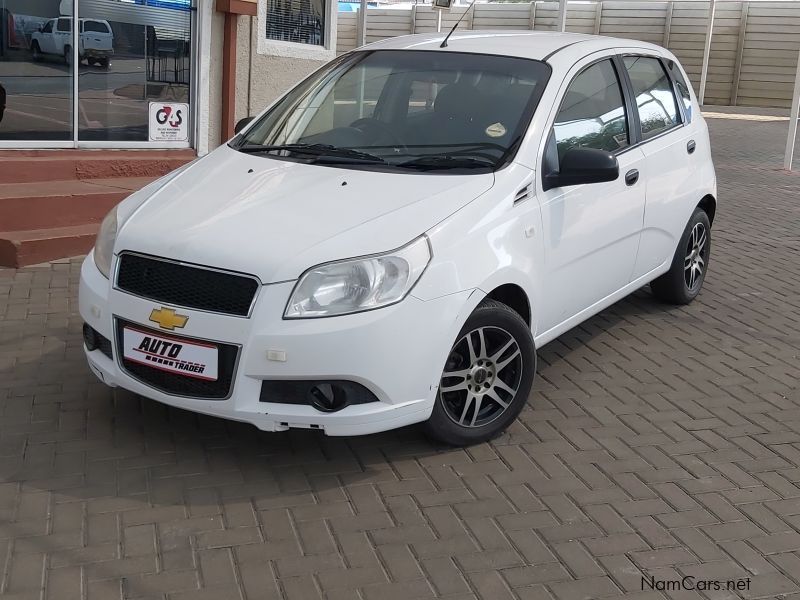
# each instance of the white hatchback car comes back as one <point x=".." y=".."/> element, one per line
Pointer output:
<point x="392" y="239"/>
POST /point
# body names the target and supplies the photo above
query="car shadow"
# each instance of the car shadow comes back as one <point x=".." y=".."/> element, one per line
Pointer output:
<point x="80" y="414"/>
<point x="80" y="441"/>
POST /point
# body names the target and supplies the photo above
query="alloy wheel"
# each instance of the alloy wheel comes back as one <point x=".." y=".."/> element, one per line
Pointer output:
<point x="694" y="263"/>
<point x="696" y="253"/>
<point x="481" y="377"/>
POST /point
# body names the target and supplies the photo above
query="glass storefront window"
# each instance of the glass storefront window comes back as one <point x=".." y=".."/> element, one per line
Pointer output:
<point x="35" y="75"/>
<point x="131" y="54"/>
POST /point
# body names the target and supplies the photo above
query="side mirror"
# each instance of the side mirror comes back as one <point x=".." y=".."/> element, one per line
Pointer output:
<point x="40" y="28"/>
<point x="242" y="124"/>
<point x="583" y="165"/>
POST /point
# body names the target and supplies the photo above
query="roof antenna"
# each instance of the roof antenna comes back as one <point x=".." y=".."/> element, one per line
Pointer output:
<point x="464" y="14"/>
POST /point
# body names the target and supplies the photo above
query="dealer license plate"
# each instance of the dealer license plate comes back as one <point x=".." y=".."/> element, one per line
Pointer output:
<point x="174" y="355"/>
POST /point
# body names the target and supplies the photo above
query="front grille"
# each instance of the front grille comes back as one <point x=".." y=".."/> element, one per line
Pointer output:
<point x="181" y="385"/>
<point x="186" y="285"/>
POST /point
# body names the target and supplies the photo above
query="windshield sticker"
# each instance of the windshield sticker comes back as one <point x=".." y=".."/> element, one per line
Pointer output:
<point x="496" y="130"/>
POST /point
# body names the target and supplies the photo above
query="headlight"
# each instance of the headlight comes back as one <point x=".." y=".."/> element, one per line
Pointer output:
<point x="104" y="245"/>
<point x="359" y="284"/>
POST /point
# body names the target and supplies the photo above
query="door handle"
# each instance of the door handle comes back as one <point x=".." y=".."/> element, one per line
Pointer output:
<point x="631" y="176"/>
<point x="690" y="146"/>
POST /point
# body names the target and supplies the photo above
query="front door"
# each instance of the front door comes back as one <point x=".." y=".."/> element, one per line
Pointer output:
<point x="591" y="232"/>
<point x="46" y="39"/>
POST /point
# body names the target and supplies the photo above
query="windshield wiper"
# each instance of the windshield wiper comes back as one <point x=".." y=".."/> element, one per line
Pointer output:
<point x="319" y="150"/>
<point x="451" y="149"/>
<point x="433" y="162"/>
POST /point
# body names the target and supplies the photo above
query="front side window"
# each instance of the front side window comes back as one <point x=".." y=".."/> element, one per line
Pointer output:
<point x="658" y="109"/>
<point x="405" y="109"/>
<point x="48" y="28"/>
<point x="592" y="113"/>
<point x="299" y="21"/>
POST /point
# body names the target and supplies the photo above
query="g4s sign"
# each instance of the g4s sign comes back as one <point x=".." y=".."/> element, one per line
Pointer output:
<point x="166" y="115"/>
<point x="168" y="122"/>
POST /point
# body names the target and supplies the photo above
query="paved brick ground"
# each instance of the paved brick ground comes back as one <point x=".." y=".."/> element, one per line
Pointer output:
<point x="659" y="442"/>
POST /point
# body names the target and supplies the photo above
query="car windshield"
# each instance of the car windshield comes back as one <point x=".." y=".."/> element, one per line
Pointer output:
<point x="404" y="110"/>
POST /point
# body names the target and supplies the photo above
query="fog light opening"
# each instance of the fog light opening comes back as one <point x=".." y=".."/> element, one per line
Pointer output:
<point x="90" y="338"/>
<point x="327" y="398"/>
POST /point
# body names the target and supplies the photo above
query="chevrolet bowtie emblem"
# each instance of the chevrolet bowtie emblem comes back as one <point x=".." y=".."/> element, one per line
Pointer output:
<point x="167" y="318"/>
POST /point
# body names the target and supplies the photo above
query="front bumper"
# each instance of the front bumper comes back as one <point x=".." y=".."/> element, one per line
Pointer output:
<point x="397" y="353"/>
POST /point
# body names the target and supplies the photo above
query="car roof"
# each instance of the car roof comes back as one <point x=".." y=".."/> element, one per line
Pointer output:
<point x="537" y="45"/>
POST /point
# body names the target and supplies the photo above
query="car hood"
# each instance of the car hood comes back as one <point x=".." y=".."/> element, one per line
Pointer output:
<point x="275" y="218"/>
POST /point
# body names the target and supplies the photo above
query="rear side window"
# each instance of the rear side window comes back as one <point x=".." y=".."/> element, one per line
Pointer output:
<point x="96" y="26"/>
<point x="64" y="25"/>
<point x="658" y="109"/>
<point x="683" y="88"/>
<point x="592" y="114"/>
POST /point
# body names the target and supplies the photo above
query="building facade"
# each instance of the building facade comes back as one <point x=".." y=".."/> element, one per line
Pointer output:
<point x="99" y="97"/>
<point x="149" y="74"/>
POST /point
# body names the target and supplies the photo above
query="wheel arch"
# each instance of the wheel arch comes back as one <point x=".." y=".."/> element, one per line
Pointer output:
<point x="515" y="288"/>
<point x="709" y="205"/>
<point x="513" y="296"/>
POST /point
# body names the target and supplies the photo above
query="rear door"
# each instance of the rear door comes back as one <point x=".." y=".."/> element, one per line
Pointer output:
<point x="668" y="142"/>
<point x="63" y="35"/>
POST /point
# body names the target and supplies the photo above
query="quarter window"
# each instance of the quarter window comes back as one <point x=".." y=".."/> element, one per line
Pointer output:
<point x="683" y="88"/>
<point x="658" y="109"/>
<point x="592" y="114"/>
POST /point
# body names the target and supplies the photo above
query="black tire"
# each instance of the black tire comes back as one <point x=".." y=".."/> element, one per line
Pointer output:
<point x="487" y="330"/>
<point x="104" y="63"/>
<point x="68" y="54"/>
<point x="36" y="51"/>
<point x="91" y="62"/>
<point x="683" y="282"/>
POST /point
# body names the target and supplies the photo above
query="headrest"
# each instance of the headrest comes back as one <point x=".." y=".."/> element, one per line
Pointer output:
<point x="455" y="99"/>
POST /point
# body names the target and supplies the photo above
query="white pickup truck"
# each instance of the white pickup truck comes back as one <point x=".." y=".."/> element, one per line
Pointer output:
<point x="96" y="41"/>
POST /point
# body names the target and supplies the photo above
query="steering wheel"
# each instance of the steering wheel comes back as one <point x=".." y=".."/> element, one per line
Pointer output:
<point x="375" y="129"/>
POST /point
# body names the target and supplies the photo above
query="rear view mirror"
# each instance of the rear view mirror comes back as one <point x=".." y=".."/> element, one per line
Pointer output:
<point x="242" y="124"/>
<point x="583" y="165"/>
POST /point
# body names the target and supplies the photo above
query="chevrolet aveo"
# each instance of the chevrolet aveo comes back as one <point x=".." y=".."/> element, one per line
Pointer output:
<point x="392" y="239"/>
